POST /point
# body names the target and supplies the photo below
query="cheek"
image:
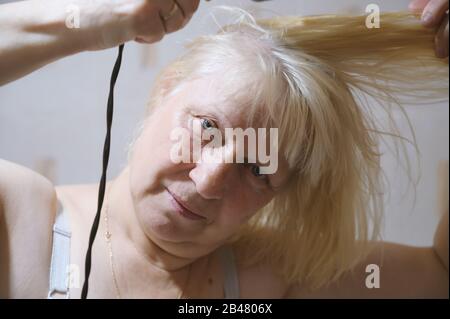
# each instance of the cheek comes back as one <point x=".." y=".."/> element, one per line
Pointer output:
<point x="150" y="157"/>
<point x="243" y="204"/>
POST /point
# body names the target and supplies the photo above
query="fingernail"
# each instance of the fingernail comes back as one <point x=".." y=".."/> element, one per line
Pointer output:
<point x="413" y="6"/>
<point x="427" y="17"/>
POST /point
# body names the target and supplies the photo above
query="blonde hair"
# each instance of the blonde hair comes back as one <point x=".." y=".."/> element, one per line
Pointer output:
<point x="313" y="75"/>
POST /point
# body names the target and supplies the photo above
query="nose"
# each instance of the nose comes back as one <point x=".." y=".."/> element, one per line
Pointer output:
<point x="211" y="179"/>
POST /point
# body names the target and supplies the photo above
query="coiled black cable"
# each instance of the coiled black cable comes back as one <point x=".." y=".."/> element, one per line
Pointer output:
<point x="101" y="191"/>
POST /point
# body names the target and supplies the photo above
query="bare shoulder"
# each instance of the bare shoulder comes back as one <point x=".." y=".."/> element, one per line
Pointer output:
<point x="389" y="271"/>
<point x="21" y="187"/>
<point x="28" y="205"/>
<point x="259" y="280"/>
<point x="80" y="202"/>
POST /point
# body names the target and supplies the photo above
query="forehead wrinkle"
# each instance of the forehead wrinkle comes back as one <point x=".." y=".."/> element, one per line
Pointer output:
<point x="232" y="119"/>
<point x="231" y="101"/>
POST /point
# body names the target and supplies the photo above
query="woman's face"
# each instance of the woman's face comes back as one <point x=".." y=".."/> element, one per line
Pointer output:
<point x="222" y="196"/>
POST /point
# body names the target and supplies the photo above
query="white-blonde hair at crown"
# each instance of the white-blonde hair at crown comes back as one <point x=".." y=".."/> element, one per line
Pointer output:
<point x="310" y="77"/>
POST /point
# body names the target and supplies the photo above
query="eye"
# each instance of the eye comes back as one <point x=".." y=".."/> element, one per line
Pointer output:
<point x="209" y="132"/>
<point x="256" y="171"/>
<point x="208" y="124"/>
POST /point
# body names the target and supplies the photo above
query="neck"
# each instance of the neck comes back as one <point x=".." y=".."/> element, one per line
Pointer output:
<point x="126" y="230"/>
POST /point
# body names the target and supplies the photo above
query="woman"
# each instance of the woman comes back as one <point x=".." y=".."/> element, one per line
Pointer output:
<point x="214" y="229"/>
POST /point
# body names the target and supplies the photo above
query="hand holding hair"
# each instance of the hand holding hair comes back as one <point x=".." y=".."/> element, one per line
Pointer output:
<point x="434" y="15"/>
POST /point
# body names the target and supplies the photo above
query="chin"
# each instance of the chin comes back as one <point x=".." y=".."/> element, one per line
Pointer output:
<point x="163" y="227"/>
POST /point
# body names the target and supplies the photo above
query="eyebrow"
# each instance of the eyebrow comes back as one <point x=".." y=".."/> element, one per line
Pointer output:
<point x="224" y="115"/>
<point x="254" y="161"/>
<point x="216" y="108"/>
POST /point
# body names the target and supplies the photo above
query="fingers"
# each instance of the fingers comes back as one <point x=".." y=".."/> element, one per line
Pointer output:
<point x="189" y="7"/>
<point x="435" y="15"/>
<point x="417" y="6"/>
<point x="171" y="16"/>
<point x="177" y="13"/>
<point x="149" y="28"/>
<point x="441" y="39"/>
<point x="434" y="12"/>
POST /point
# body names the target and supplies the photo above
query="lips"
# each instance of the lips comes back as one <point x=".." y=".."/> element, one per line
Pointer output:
<point x="182" y="209"/>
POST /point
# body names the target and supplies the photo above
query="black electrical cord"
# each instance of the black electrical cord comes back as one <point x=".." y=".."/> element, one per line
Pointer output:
<point x="101" y="191"/>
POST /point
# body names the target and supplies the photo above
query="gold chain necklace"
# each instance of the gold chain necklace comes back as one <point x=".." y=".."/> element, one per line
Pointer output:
<point x="108" y="236"/>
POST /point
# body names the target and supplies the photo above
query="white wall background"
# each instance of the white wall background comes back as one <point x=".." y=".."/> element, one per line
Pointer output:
<point x="53" y="120"/>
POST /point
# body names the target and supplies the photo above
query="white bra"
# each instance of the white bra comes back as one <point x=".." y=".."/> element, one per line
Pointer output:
<point x="60" y="262"/>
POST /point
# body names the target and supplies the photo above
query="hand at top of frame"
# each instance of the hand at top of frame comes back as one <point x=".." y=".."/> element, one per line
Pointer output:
<point x="434" y="15"/>
<point x="106" y="23"/>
